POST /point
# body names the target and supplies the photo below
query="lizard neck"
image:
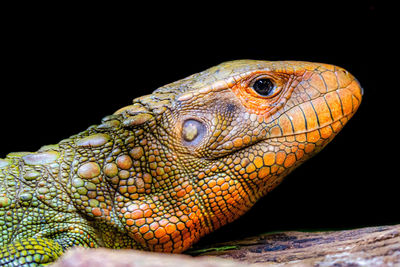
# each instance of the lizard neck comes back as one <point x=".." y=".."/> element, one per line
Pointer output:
<point x="92" y="164"/>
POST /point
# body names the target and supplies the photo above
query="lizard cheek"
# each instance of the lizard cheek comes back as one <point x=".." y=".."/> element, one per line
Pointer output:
<point x="192" y="132"/>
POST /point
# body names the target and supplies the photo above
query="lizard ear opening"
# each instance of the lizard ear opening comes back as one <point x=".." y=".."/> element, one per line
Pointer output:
<point x="193" y="132"/>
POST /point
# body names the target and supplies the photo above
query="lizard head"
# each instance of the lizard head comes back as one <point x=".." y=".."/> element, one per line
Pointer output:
<point x="209" y="146"/>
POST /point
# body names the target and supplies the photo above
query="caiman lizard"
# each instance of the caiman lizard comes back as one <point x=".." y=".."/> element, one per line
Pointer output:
<point x="175" y="165"/>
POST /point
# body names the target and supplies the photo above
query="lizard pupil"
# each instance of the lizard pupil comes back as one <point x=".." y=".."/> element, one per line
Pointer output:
<point x="264" y="87"/>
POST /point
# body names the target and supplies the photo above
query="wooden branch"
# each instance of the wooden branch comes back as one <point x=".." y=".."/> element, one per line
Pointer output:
<point x="373" y="246"/>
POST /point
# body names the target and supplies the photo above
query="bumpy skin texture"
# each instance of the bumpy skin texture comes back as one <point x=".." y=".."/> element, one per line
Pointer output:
<point x="175" y="165"/>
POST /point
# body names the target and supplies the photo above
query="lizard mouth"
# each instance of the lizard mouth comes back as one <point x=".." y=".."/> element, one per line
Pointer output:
<point x="335" y="126"/>
<point x="313" y="124"/>
<point x="324" y="116"/>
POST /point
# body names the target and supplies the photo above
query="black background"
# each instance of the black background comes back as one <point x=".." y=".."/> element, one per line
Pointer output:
<point x="64" y="68"/>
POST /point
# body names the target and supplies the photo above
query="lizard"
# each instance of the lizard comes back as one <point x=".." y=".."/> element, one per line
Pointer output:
<point x="174" y="165"/>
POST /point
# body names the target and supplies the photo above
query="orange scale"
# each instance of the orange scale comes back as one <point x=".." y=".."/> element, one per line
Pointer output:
<point x="148" y="235"/>
<point x="220" y="181"/>
<point x="132" y="189"/>
<point x="138" y="237"/>
<point x="176" y="237"/>
<point x="287" y="150"/>
<point x="153" y="241"/>
<point x="320" y="142"/>
<point x="168" y="246"/>
<point x="214" y="168"/>
<point x="189" y="223"/>
<point x="178" y="244"/>
<point x="280" y="157"/>
<point x="148" y="213"/>
<point x="190" y="203"/>
<point x="244" y="162"/>
<point x="124" y="162"/>
<point x="189" y="188"/>
<point x="134" y="196"/>
<point x="237" y="167"/>
<point x="263" y="172"/>
<point x="216" y="189"/>
<point x="163" y="222"/>
<point x="184" y="218"/>
<point x="301" y="137"/>
<point x="144" y="229"/>
<point x="313" y="137"/>
<point x="154" y="226"/>
<point x="234" y="192"/>
<point x="170" y="228"/>
<point x="137" y="214"/>
<point x="186" y="235"/>
<point x="160" y="232"/>
<point x="195" y="208"/>
<point x="253" y="175"/>
<point x="237" y="142"/>
<point x="309" y="148"/>
<point x="258" y="162"/>
<point x="143" y="206"/>
<point x="140" y="222"/>
<point x="158" y="248"/>
<point x="280" y="170"/>
<point x="326" y="132"/>
<point x="180" y="226"/>
<point x="149" y="220"/>
<point x="181" y="193"/>
<point x="212" y="183"/>
<point x="336" y="126"/>
<point x="187" y="243"/>
<point x="232" y="189"/>
<point x="218" y="198"/>
<point x="230" y="200"/>
<point x="290" y="160"/>
<point x="269" y="158"/>
<point x="164" y="239"/>
<point x="250" y="168"/>
<point x="221" y="203"/>
<point x="224" y="186"/>
<point x="173" y="219"/>
<point x="299" y="154"/>
<point x="96" y="212"/>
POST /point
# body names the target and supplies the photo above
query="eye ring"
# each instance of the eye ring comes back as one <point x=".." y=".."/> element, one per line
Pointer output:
<point x="264" y="87"/>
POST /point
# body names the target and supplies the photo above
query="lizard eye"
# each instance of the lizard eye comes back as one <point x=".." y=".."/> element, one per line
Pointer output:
<point x="264" y="87"/>
<point x="192" y="131"/>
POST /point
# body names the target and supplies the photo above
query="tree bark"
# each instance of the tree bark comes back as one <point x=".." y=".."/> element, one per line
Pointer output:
<point x="372" y="246"/>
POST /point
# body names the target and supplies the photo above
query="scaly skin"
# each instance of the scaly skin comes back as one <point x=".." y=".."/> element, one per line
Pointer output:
<point x="173" y="166"/>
